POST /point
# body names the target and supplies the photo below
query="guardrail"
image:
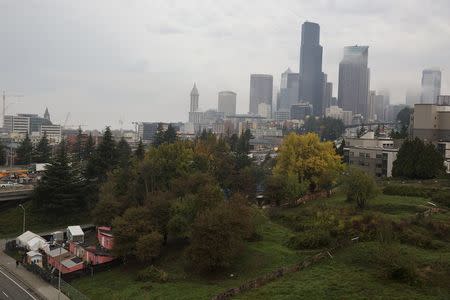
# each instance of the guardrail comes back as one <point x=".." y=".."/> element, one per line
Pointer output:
<point x="16" y="195"/>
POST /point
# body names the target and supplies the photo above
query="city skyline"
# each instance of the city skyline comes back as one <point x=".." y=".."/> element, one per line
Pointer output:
<point x="137" y="69"/>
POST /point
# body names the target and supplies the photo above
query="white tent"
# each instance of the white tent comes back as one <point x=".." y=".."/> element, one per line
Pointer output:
<point x="36" y="243"/>
<point x="30" y="240"/>
<point x="23" y="239"/>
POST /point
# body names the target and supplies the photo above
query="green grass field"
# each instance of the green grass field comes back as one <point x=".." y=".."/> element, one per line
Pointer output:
<point x="11" y="221"/>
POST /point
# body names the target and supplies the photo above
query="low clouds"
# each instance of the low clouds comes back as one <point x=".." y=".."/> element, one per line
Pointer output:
<point x="137" y="60"/>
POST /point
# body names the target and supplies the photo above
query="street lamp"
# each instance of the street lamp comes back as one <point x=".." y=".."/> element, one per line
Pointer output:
<point x="21" y="206"/>
<point x="59" y="269"/>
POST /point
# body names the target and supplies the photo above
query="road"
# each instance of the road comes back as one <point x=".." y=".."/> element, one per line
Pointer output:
<point x="10" y="289"/>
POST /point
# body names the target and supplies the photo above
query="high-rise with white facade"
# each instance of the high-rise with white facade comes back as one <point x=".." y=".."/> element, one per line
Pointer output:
<point x="288" y="90"/>
<point x="227" y="103"/>
<point x="431" y="86"/>
<point x="261" y="91"/>
<point x="354" y="80"/>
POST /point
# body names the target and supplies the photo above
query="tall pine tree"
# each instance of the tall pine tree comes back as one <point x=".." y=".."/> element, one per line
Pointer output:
<point x="42" y="152"/>
<point x="139" y="153"/>
<point x="89" y="147"/>
<point x="123" y="152"/>
<point x="104" y="158"/>
<point x="60" y="190"/>
<point x="24" y="152"/>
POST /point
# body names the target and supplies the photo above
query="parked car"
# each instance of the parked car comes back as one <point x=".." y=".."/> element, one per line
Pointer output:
<point x="9" y="184"/>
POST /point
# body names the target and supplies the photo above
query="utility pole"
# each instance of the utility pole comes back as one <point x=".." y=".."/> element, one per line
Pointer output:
<point x="4" y="104"/>
<point x="21" y="206"/>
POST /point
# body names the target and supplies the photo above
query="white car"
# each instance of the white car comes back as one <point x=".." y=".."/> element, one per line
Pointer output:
<point x="8" y="184"/>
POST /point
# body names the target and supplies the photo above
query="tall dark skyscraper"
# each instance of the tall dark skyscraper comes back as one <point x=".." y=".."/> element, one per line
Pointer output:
<point x="354" y="80"/>
<point x="261" y="90"/>
<point x="311" y="82"/>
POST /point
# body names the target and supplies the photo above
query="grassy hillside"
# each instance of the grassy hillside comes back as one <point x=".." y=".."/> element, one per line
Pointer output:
<point x="407" y="260"/>
<point x="258" y="258"/>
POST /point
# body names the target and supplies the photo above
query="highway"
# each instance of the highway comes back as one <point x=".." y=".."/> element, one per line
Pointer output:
<point x="10" y="289"/>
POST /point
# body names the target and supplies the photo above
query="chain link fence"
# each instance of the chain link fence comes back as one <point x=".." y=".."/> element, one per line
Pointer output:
<point x="68" y="290"/>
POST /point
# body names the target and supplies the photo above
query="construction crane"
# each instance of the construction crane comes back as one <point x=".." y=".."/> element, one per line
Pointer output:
<point x="67" y="119"/>
<point x="4" y="102"/>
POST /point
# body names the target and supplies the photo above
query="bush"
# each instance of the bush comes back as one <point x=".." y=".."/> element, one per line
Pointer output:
<point x="359" y="186"/>
<point x="420" y="240"/>
<point x="408" y="190"/>
<point x="441" y="197"/>
<point x="310" y="240"/>
<point x="396" y="265"/>
<point x="152" y="274"/>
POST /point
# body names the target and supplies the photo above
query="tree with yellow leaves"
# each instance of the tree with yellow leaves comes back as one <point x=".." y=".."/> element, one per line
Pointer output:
<point x="309" y="159"/>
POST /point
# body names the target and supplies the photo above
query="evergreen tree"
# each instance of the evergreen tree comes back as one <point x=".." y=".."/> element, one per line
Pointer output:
<point x="104" y="158"/>
<point x="170" y="136"/>
<point x="2" y="154"/>
<point x="159" y="137"/>
<point x="417" y="160"/>
<point x="404" y="116"/>
<point x="60" y="190"/>
<point x="24" y="152"/>
<point x="42" y="151"/>
<point x="243" y="146"/>
<point x="140" y="151"/>
<point x="123" y="152"/>
<point x="78" y="150"/>
<point x="377" y="131"/>
<point x="332" y="129"/>
<point x="89" y="147"/>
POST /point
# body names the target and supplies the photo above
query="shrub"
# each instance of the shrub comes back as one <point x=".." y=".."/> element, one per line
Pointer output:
<point x="441" y="197"/>
<point x="396" y="265"/>
<point x="310" y="240"/>
<point x="152" y="274"/>
<point x="417" y="239"/>
<point x="359" y="186"/>
<point x="408" y="190"/>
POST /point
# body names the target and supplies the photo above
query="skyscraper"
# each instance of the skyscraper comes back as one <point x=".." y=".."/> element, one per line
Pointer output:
<point x="311" y="77"/>
<point x="46" y="114"/>
<point x="354" y="80"/>
<point x="431" y="86"/>
<point x="227" y="103"/>
<point x="288" y="90"/>
<point x="195" y="116"/>
<point x="261" y="89"/>
<point x="327" y="93"/>
<point x="194" y="99"/>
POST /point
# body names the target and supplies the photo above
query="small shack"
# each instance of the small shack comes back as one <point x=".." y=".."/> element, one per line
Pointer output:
<point x="34" y="257"/>
<point x="75" y="234"/>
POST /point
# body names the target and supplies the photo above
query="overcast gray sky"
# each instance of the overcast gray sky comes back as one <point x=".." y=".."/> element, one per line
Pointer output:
<point x="106" y="61"/>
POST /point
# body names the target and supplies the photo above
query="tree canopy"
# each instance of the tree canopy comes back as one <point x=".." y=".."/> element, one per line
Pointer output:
<point x="417" y="160"/>
<point x="306" y="157"/>
<point x="24" y="152"/>
<point x="359" y="186"/>
<point x="61" y="188"/>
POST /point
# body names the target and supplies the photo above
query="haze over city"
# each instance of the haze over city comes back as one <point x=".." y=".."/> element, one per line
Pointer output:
<point x="106" y="61"/>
